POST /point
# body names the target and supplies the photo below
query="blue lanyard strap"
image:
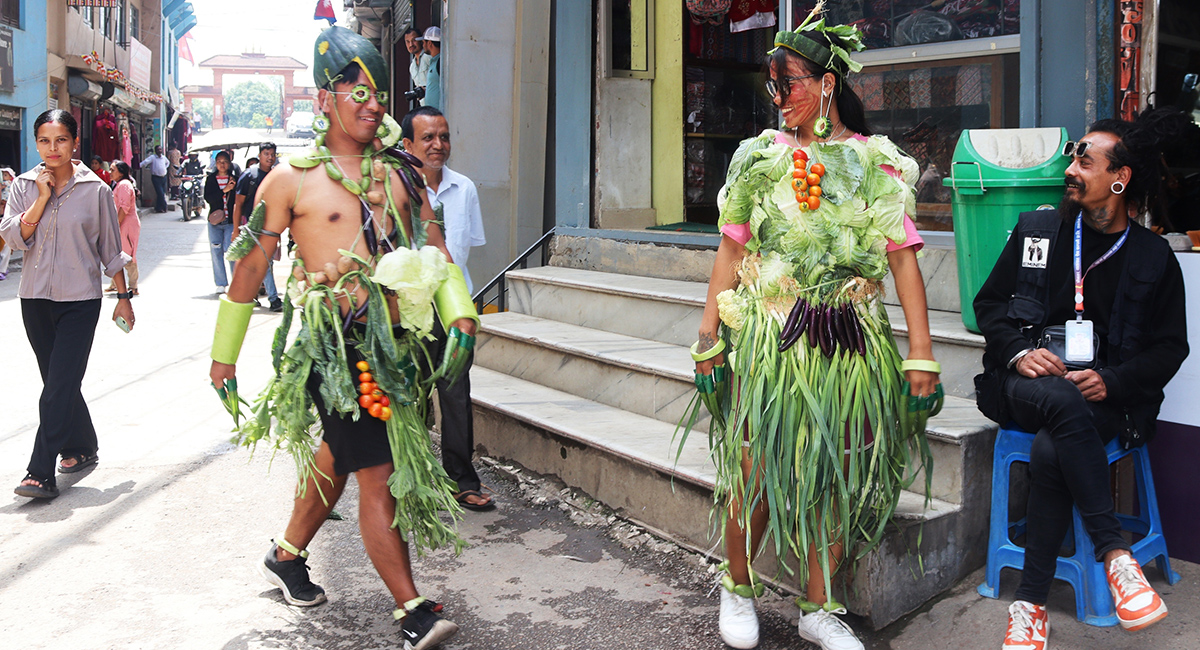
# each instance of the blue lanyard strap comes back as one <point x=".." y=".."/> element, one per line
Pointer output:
<point x="1079" y="273"/>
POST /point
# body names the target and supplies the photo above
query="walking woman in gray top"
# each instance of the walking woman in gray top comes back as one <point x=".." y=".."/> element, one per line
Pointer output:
<point x="63" y="216"/>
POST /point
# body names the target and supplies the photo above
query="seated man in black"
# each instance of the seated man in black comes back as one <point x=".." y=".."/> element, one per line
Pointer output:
<point x="1115" y="291"/>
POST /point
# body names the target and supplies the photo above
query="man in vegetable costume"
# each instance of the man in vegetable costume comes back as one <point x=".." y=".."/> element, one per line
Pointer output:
<point x="1112" y="294"/>
<point x="365" y="297"/>
<point x="817" y="425"/>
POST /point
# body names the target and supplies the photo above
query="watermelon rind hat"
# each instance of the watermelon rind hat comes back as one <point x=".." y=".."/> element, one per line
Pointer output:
<point x="824" y="51"/>
<point x="338" y="47"/>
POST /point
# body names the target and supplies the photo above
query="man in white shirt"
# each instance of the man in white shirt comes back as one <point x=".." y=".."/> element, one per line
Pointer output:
<point x="418" y="66"/>
<point x="455" y="200"/>
<point x="158" y="175"/>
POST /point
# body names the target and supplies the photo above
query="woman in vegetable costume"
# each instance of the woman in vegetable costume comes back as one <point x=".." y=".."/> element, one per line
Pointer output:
<point x="354" y="376"/>
<point x="816" y="422"/>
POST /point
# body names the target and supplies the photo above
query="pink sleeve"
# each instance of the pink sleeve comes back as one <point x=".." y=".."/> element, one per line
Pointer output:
<point x="739" y="232"/>
<point x="912" y="238"/>
<point x="123" y="197"/>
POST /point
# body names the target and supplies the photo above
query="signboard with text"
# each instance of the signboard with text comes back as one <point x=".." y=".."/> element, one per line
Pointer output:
<point x="10" y="118"/>
<point x="139" y="64"/>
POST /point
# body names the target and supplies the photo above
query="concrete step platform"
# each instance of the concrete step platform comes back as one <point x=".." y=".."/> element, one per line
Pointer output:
<point x="645" y="377"/>
<point x="669" y="311"/>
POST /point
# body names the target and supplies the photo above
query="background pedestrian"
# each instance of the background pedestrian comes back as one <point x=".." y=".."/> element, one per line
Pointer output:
<point x="127" y="216"/>
<point x="218" y="193"/>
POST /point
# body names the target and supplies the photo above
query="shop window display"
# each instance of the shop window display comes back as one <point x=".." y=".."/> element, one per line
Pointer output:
<point x="894" y="23"/>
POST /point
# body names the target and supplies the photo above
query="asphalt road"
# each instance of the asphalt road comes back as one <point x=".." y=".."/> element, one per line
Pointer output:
<point x="156" y="547"/>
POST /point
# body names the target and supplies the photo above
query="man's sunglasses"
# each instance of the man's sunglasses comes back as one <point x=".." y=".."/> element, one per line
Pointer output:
<point x="1076" y="149"/>
<point x="773" y="87"/>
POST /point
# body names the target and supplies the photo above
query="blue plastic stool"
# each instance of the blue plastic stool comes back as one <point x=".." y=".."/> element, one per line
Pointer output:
<point x="1093" y="602"/>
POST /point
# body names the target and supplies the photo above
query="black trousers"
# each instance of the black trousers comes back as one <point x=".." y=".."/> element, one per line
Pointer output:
<point x="458" y="421"/>
<point x="61" y="335"/>
<point x="1067" y="467"/>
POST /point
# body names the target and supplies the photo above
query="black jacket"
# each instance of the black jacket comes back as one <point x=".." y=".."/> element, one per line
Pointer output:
<point x="213" y="196"/>
<point x="1146" y="325"/>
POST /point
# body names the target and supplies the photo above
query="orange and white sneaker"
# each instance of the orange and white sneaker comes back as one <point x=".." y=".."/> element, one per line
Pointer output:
<point x="1028" y="627"/>
<point x="1138" y="605"/>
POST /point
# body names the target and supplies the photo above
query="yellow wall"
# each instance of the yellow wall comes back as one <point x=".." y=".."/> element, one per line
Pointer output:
<point x="666" y="140"/>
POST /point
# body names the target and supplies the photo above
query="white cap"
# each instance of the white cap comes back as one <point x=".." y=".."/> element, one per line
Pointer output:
<point x="434" y="34"/>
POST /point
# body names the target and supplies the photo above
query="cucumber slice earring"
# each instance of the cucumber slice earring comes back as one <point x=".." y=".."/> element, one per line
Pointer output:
<point x="320" y="126"/>
<point x="822" y="128"/>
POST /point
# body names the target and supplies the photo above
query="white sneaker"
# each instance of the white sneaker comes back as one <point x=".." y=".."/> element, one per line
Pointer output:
<point x="828" y="631"/>
<point x="739" y="621"/>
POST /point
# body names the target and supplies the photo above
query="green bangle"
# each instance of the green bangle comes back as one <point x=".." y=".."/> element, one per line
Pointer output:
<point x="452" y="299"/>
<point x="233" y="318"/>
<point x="924" y="365"/>
<point x="716" y="349"/>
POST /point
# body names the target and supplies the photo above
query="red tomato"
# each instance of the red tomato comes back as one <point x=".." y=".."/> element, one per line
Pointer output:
<point x="365" y="388"/>
<point x="813" y="203"/>
<point x="365" y="378"/>
<point x="799" y="155"/>
<point x="365" y="401"/>
<point x="818" y="169"/>
<point x="362" y="366"/>
<point x="385" y="401"/>
<point x="375" y="410"/>
<point x="799" y="173"/>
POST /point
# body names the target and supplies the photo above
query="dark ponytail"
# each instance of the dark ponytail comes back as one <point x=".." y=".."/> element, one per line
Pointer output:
<point x="1140" y="147"/>
<point x="850" y="107"/>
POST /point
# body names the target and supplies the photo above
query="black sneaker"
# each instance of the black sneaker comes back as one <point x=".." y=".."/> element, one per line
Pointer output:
<point x="291" y="576"/>
<point x="277" y="305"/>
<point x="422" y="628"/>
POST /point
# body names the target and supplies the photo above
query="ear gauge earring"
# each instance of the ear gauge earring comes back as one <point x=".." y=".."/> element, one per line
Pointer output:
<point x="1118" y="187"/>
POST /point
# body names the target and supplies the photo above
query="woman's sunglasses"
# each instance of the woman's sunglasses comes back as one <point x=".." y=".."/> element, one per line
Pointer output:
<point x="1076" y="149"/>
<point x="773" y="87"/>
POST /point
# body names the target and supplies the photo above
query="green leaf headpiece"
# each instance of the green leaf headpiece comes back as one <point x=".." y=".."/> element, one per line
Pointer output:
<point x="338" y="47"/>
<point x="829" y="55"/>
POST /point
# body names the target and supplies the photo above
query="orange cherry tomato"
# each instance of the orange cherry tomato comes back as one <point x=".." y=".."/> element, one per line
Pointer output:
<point x="803" y="203"/>
<point x="813" y="179"/>
<point x="375" y="410"/>
<point x="818" y="169"/>
<point x="802" y="198"/>
<point x="813" y="203"/>
<point x="377" y="394"/>
<point x="385" y="414"/>
<point x="365" y="401"/>
<point x="799" y="173"/>
<point x="365" y="388"/>
<point x="365" y="378"/>
<point x="815" y="190"/>
<point x="385" y="401"/>
<point x="802" y="188"/>
<point x="362" y="366"/>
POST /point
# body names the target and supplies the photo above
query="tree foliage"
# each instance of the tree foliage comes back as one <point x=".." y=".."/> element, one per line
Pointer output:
<point x="203" y="110"/>
<point x="248" y="99"/>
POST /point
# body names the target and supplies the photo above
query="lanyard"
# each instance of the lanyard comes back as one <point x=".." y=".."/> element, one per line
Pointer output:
<point x="1079" y="273"/>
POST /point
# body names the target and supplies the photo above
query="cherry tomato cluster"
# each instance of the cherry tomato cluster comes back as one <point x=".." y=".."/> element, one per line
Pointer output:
<point x="807" y="182"/>
<point x="370" y="396"/>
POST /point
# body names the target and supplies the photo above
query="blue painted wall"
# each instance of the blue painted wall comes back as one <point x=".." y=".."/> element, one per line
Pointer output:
<point x="1067" y="63"/>
<point x="29" y="67"/>
<point x="572" y="97"/>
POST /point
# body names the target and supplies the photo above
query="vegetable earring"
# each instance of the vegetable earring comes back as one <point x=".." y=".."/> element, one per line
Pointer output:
<point x="320" y="126"/>
<point x="822" y="128"/>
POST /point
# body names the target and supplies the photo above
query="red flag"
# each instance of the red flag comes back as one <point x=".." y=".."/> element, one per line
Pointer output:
<point x="325" y="10"/>
<point x="185" y="49"/>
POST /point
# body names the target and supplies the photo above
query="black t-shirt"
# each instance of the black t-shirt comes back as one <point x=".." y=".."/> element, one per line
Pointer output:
<point x="1099" y="286"/>
<point x="193" y="168"/>
<point x="247" y="186"/>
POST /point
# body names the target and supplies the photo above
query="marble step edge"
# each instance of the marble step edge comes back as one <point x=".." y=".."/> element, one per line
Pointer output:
<point x="484" y="392"/>
<point x="945" y="326"/>
<point x="674" y="361"/>
<point x="633" y="286"/>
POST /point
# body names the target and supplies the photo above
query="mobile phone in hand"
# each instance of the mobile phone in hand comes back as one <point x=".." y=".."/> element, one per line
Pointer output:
<point x="123" y="324"/>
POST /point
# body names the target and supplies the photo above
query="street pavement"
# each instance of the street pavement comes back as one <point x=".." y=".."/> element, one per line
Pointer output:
<point x="157" y="546"/>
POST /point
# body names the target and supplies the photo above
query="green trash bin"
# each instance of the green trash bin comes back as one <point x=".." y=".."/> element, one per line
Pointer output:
<point x="995" y="175"/>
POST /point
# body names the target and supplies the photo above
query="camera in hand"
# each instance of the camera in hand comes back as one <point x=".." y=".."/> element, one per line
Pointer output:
<point x="415" y="94"/>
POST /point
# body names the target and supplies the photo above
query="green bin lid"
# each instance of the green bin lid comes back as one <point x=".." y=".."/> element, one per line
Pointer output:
<point x="1008" y="158"/>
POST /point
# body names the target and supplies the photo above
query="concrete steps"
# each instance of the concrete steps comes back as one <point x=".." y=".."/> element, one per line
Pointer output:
<point x="588" y="375"/>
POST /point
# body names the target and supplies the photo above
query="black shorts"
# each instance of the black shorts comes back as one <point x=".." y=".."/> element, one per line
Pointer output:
<point x="355" y="445"/>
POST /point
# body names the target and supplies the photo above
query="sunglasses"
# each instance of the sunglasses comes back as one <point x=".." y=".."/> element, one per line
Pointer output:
<point x="1076" y="149"/>
<point x="773" y="87"/>
<point x="362" y="93"/>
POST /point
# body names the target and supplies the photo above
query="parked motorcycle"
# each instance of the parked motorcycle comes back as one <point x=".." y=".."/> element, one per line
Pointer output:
<point x="191" y="196"/>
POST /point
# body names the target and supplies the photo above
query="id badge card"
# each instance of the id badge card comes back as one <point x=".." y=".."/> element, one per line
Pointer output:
<point x="1079" y="342"/>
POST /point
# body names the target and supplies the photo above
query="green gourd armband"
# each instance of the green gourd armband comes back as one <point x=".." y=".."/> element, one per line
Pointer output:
<point x="232" y="320"/>
<point x="716" y="349"/>
<point x="452" y="299"/>
<point x="921" y="364"/>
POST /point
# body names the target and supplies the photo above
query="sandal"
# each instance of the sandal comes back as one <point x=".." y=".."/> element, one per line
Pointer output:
<point x="82" y="461"/>
<point x="45" y="488"/>
<point x="461" y="498"/>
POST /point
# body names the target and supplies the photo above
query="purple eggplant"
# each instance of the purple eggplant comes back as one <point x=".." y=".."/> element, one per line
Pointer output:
<point x="860" y="338"/>
<point x="792" y="320"/>
<point x="410" y="188"/>
<point x="825" y="338"/>
<point x="805" y="321"/>
<point x="836" y="327"/>
<point x="814" y="326"/>
<point x="397" y="152"/>
<point x="369" y="229"/>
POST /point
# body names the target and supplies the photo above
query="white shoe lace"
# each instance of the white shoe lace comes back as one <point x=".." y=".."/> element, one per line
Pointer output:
<point x="1021" y="615"/>
<point x="741" y="607"/>
<point x="1127" y="576"/>
<point x="831" y="626"/>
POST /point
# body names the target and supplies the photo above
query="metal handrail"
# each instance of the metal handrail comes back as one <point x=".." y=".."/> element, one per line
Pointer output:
<point x="499" y="282"/>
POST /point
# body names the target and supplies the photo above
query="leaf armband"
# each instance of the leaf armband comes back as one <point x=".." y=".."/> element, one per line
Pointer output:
<point x="232" y="320"/>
